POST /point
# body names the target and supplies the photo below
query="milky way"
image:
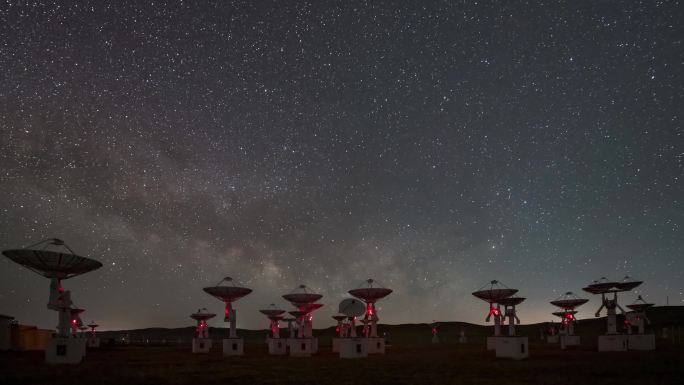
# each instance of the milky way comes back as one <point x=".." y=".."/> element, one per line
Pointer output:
<point x="433" y="146"/>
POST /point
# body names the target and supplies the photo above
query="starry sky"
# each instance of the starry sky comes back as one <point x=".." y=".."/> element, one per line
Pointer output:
<point x="431" y="145"/>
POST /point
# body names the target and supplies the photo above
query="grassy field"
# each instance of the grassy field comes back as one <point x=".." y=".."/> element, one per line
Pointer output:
<point x="427" y="364"/>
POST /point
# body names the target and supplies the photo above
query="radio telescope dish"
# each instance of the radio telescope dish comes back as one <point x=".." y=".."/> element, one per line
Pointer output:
<point x="52" y="263"/>
<point x="640" y="305"/>
<point x="229" y="292"/>
<point x="202" y="315"/>
<point x="494" y="291"/>
<point x="272" y="311"/>
<point x="56" y="264"/>
<point x="604" y="285"/>
<point x="628" y="283"/>
<point x="352" y="307"/>
<point x="339" y="317"/>
<point x="302" y="295"/>
<point x="569" y="301"/>
<point x="370" y="293"/>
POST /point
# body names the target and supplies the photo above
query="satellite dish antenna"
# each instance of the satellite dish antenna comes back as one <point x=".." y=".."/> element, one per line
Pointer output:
<point x="304" y="300"/>
<point x="568" y="302"/>
<point x="201" y="316"/>
<point x="228" y="293"/>
<point x="435" y="329"/>
<point x="340" y="318"/>
<point x="371" y="292"/>
<point x="76" y="321"/>
<point x="274" y="315"/>
<point x="54" y="259"/>
<point x="492" y="293"/>
<point x="352" y="308"/>
<point x="92" y="325"/>
<point x="638" y="315"/>
<point x="605" y="287"/>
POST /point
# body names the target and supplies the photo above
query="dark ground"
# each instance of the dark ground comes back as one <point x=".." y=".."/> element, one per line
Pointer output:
<point x="431" y="364"/>
<point x="411" y="359"/>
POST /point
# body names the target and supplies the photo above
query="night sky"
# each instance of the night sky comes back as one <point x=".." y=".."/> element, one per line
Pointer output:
<point x="432" y="146"/>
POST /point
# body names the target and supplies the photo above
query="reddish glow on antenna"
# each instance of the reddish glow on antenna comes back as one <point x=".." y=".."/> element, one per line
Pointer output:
<point x="493" y="311"/>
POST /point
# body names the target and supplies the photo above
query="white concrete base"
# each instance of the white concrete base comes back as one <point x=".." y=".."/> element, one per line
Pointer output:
<point x="612" y="343"/>
<point x="354" y="348"/>
<point x="277" y="346"/>
<point x="93" y="342"/>
<point x="516" y="348"/>
<point x="201" y="345"/>
<point x="641" y="342"/>
<point x="375" y="345"/>
<point x="552" y="339"/>
<point x="299" y="347"/>
<point x="65" y="350"/>
<point x="233" y="347"/>
<point x="336" y="345"/>
<point x="462" y="339"/>
<point x="491" y="343"/>
<point x="568" y="340"/>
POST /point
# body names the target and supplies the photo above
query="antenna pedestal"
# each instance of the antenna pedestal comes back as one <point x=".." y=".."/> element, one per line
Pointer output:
<point x="201" y="345"/>
<point x="300" y="347"/>
<point x="277" y="346"/>
<point x="568" y="340"/>
<point x="62" y="350"/>
<point x="93" y="342"/>
<point x="354" y="347"/>
<point x="612" y="343"/>
<point x="516" y="348"/>
<point x="641" y="342"/>
<point x="233" y="347"/>
<point x="375" y="345"/>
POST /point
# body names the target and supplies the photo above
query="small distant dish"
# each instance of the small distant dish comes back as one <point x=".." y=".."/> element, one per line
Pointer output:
<point x="640" y="305"/>
<point x="569" y="301"/>
<point x="272" y="311"/>
<point x="202" y="315"/>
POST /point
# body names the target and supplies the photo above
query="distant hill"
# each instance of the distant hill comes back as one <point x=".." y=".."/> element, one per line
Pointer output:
<point x="670" y="317"/>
